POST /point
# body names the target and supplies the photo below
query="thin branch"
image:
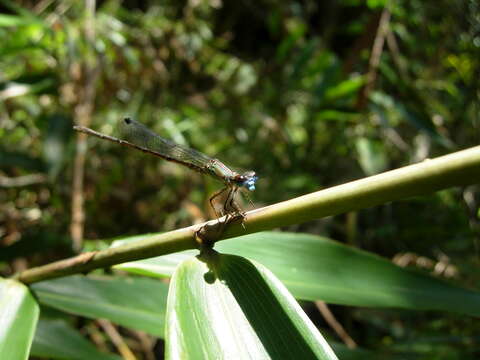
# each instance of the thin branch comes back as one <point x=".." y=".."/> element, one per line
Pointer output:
<point x="116" y="339"/>
<point x="456" y="169"/>
<point x="335" y="324"/>
<point x="83" y="116"/>
<point x="147" y="343"/>
<point x="396" y="56"/>
<point x="24" y="180"/>
<point x="97" y="336"/>
<point x="375" y="56"/>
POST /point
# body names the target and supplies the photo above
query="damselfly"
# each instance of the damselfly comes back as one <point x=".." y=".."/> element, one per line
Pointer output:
<point x="138" y="136"/>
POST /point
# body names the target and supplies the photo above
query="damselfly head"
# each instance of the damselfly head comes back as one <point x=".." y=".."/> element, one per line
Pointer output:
<point x="247" y="180"/>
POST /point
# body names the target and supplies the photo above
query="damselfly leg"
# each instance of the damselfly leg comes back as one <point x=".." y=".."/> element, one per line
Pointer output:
<point x="213" y="197"/>
<point x="230" y="206"/>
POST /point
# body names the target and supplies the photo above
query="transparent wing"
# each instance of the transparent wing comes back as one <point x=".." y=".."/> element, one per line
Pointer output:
<point x="138" y="134"/>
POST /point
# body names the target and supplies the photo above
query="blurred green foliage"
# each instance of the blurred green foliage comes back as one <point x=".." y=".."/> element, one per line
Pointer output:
<point x="278" y="87"/>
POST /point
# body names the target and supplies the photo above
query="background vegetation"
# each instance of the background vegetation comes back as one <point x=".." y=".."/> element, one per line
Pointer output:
<point x="308" y="94"/>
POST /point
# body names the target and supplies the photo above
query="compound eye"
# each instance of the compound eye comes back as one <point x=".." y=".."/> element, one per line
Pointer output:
<point x="250" y="183"/>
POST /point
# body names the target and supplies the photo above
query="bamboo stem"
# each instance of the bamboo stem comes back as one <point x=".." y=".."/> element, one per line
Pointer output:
<point x="457" y="169"/>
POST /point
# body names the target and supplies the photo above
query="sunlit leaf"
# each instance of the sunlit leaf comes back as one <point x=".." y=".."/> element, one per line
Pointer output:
<point x="344" y="88"/>
<point x="13" y="89"/>
<point x="12" y="20"/>
<point x="314" y="268"/>
<point x="224" y="306"/>
<point x="371" y="156"/>
<point x="18" y="318"/>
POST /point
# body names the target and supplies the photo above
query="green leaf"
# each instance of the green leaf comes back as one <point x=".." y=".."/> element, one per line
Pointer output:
<point x="344" y="88"/>
<point x="371" y="155"/>
<point x="132" y="302"/>
<point x="18" y="317"/>
<point x="56" y="141"/>
<point x="336" y="115"/>
<point x="13" y="89"/>
<point x="12" y="20"/>
<point x="160" y="266"/>
<point x="296" y="32"/>
<point x="225" y="306"/>
<point x="413" y="116"/>
<point x="314" y="268"/>
<point x="376" y="4"/>
<point x="57" y="340"/>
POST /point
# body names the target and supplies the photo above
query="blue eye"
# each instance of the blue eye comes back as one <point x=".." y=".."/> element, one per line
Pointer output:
<point x="250" y="183"/>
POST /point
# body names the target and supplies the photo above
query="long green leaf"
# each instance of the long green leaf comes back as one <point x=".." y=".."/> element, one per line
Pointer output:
<point x="132" y="302"/>
<point x="18" y="317"/>
<point x="226" y="307"/>
<point x="12" y="20"/>
<point x="314" y="268"/>
<point x="344" y="88"/>
<point x="160" y="266"/>
<point x="55" y="339"/>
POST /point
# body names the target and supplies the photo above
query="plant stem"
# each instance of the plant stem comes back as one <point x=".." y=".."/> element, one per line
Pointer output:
<point x="83" y="112"/>
<point x="457" y="169"/>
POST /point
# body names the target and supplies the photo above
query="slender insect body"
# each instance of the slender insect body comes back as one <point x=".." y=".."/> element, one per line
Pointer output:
<point x="140" y="137"/>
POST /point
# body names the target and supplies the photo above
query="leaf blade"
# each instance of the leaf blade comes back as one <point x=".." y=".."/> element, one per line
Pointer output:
<point x="317" y="268"/>
<point x="137" y="303"/>
<point x="224" y="306"/>
<point x="56" y="339"/>
<point x="18" y="318"/>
